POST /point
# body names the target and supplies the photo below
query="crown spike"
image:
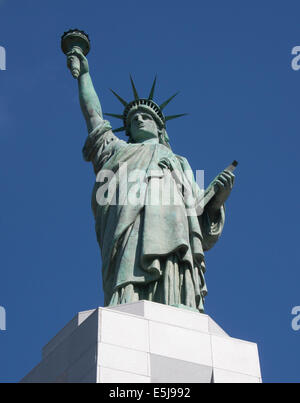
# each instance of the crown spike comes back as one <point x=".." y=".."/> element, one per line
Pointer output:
<point x="136" y="95"/>
<point x="152" y="89"/>
<point x="174" y="116"/>
<point x="114" y="115"/>
<point x="163" y="105"/>
<point x="119" y="98"/>
<point x="120" y="129"/>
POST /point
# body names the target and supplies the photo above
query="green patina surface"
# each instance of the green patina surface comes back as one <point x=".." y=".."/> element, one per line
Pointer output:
<point x="151" y="252"/>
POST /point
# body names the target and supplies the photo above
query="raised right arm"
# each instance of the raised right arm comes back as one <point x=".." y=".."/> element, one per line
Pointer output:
<point x="89" y="101"/>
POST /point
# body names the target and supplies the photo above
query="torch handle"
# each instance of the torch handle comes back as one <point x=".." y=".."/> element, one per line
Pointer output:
<point x="75" y="64"/>
<point x="75" y="67"/>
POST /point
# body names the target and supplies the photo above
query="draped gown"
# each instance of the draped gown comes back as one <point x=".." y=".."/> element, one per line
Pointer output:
<point x="151" y="250"/>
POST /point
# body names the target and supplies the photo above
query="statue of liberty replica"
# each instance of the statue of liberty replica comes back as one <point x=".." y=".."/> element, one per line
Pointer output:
<point x="150" y="251"/>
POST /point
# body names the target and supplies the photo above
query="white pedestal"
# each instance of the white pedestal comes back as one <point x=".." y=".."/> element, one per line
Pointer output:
<point x="145" y="342"/>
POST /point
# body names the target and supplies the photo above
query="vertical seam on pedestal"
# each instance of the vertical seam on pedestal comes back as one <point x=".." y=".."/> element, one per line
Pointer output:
<point x="211" y="352"/>
<point x="148" y="353"/>
<point x="99" y="339"/>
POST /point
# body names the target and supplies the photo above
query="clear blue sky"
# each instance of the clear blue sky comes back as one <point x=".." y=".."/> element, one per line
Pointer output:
<point x="232" y="63"/>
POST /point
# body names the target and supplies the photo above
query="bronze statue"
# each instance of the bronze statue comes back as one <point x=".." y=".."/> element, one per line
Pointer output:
<point x="151" y="251"/>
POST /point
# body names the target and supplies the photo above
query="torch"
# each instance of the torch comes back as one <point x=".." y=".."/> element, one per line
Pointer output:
<point x="71" y="40"/>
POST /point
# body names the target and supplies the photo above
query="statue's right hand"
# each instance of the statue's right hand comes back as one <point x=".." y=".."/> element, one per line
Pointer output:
<point x="84" y="65"/>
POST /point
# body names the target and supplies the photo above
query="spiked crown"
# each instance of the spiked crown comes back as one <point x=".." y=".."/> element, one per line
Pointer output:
<point x="145" y="104"/>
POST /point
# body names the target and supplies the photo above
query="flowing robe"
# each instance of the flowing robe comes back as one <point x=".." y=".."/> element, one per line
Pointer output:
<point x="150" y="250"/>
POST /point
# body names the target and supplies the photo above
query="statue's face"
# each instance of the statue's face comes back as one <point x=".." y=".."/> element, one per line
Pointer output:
<point x="143" y="127"/>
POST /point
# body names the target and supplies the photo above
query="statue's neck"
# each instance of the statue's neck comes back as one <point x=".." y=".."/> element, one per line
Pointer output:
<point x="150" y="141"/>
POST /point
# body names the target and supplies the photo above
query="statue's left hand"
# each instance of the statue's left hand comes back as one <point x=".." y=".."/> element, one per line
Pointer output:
<point x="225" y="182"/>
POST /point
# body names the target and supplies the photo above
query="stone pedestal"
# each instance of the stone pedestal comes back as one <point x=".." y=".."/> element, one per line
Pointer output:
<point x="145" y="342"/>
